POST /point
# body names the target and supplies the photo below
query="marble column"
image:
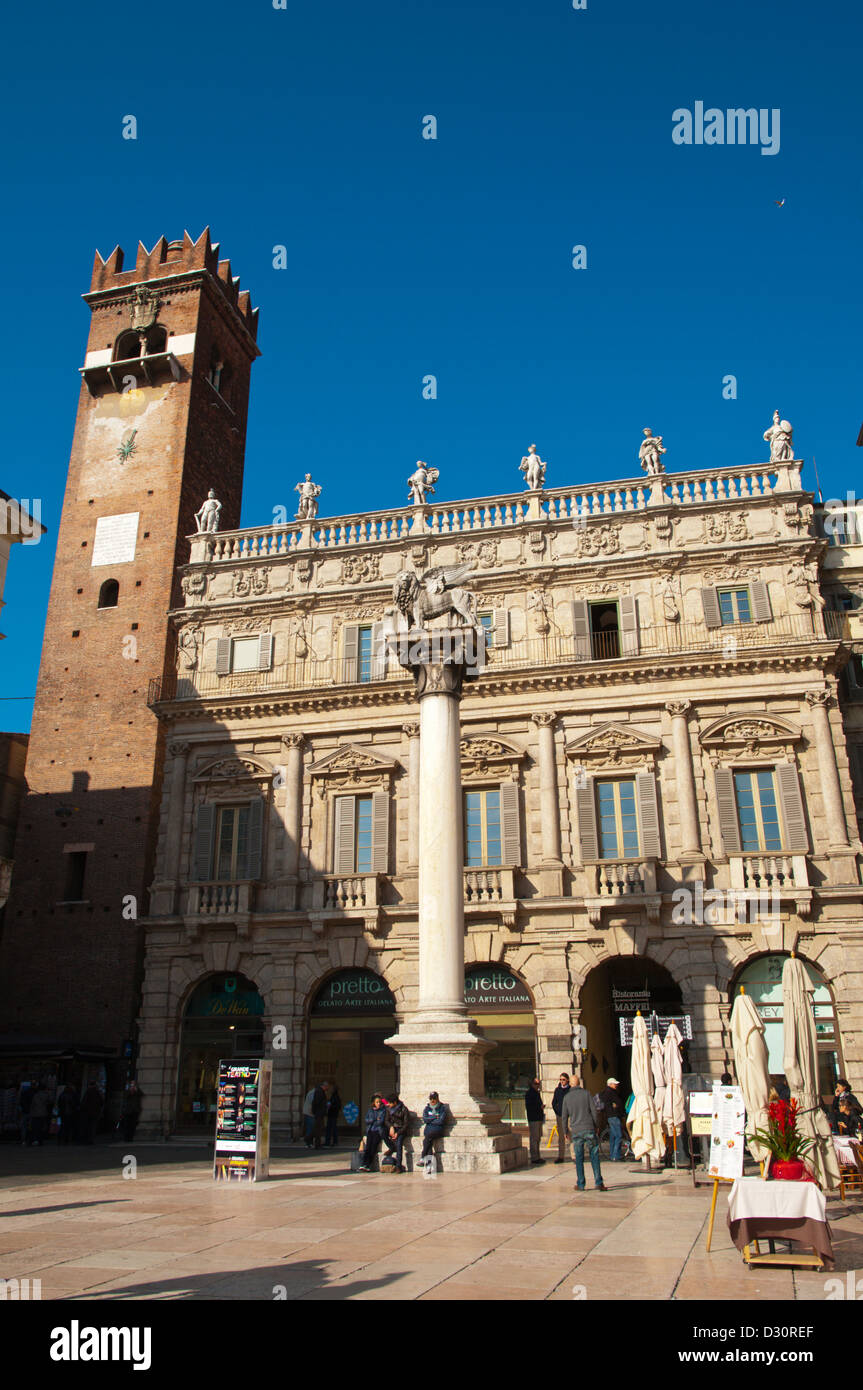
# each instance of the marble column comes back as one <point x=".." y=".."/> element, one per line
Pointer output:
<point x="819" y="702"/>
<point x="548" y="799"/>
<point x="412" y="730"/>
<point x="684" y="779"/>
<point x="437" y="1045"/>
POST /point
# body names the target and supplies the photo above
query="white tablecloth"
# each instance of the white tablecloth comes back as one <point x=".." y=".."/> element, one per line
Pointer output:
<point x="848" y="1151"/>
<point x="752" y="1199"/>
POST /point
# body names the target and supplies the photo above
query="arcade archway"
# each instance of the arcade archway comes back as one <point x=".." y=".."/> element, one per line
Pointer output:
<point x="762" y="980"/>
<point x="351" y="1014"/>
<point x="223" y="1017"/>
<point x="617" y="989"/>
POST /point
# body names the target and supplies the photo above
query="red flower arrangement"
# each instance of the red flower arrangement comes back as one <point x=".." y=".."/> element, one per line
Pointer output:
<point x="781" y="1137"/>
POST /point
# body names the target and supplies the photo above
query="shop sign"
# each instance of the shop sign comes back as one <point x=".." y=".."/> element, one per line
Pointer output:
<point x="490" y="987"/>
<point x="236" y="1004"/>
<point x="353" y="992"/>
<point x="629" y="1001"/>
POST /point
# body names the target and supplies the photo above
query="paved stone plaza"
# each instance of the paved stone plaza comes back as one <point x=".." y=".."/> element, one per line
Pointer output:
<point x="319" y="1232"/>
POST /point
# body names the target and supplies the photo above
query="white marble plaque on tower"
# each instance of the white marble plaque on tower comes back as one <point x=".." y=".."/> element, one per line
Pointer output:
<point x="116" y="537"/>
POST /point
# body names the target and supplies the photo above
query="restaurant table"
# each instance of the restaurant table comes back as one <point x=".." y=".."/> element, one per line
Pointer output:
<point x="848" y="1151"/>
<point x="793" y="1211"/>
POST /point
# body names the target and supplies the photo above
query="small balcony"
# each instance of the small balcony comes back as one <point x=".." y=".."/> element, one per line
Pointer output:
<point x="482" y="886"/>
<point x="615" y="882"/>
<point x="776" y="873"/>
<point x="219" y="899"/>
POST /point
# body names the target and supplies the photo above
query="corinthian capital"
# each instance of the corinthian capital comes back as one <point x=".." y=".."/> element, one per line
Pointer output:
<point x="179" y="750"/>
<point x="678" y="707"/>
<point x="411" y="729"/>
<point x="544" y="718"/>
<point x="292" y="740"/>
<point x="816" y="698"/>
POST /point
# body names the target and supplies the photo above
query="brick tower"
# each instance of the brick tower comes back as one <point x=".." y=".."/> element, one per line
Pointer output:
<point x="161" y="419"/>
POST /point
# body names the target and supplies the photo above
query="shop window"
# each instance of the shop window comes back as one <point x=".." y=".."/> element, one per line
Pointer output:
<point x="109" y="594"/>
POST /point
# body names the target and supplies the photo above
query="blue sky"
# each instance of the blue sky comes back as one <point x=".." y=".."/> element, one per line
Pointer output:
<point x="408" y="256"/>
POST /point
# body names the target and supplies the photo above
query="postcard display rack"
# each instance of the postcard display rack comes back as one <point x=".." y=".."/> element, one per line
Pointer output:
<point x="243" y="1121"/>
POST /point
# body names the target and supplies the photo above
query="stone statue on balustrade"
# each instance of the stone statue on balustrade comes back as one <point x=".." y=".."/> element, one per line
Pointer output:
<point x="439" y="592"/>
<point x="207" y="515"/>
<point x="779" y="439"/>
<point x="650" y="454"/>
<point x="533" y="469"/>
<point x="309" y="494"/>
<point x="421" y="483"/>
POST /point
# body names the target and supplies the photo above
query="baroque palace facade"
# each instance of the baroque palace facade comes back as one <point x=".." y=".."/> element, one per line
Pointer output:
<point x="661" y="758"/>
<point x="659" y="797"/>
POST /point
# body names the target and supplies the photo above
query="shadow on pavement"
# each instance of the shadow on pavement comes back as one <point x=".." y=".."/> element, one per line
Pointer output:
<point x="271" y="1283"/>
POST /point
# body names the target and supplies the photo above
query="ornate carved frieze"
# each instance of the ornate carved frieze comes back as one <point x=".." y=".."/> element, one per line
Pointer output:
<point x="726" y="526"/>
<point x="230" y="776"/>
<point x="251" y="581"/>
<point x="360" y="569"/>
<point x="614" y="745"/>
<point x="597" y="540"/>
<point x="483" y="755"/>
<point x="748" y="734"/>
<point x="481" y="554"/>
<point x="194" y="585"/>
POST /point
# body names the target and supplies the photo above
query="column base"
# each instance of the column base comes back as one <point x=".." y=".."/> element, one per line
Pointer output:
<point x="436" y="1054"/>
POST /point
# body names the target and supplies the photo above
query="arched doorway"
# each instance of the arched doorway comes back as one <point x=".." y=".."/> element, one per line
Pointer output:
<point x="617" y="989"/>
<point x="762" y="980"/>
<point x="501" y="1005"/>
<point x="223" y="1017"/>
<point x="351" y="1014"/>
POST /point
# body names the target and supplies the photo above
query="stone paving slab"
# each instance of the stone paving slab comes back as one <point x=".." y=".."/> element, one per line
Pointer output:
<point x="322" y="1234"/>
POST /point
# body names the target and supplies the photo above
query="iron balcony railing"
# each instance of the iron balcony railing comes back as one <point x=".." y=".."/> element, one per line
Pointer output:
<point x="613" y="649"/>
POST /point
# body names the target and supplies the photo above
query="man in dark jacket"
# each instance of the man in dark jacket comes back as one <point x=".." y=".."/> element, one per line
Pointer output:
<point x="612" y="1103"/>
<point x="398" y="1120"/>
<point x="557" y="1100"/>
<point x="535" y="1118"/>
<point x="319" y="1112"/>
<point x="376" y="1128"/>
<point x="581" y="1117"/>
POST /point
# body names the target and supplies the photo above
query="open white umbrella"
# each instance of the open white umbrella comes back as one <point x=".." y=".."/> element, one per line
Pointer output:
<point x="657" y="1066"/>
<point x="750" y="1060"/>
<point x="673" y="1108"/>
<point x="645" y="1129"/>
<point x="801" y="1071"/>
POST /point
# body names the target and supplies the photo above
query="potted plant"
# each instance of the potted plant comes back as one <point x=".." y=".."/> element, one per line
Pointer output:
<point x="786" y="1146"/>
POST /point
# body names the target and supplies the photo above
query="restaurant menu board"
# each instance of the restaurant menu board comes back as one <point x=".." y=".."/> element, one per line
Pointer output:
<point x="700" y="1112"/>
<point x="243" y="1121"/>
<point x="727" y="1133"/>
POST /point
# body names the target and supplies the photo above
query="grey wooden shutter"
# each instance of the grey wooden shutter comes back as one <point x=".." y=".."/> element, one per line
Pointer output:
<point x="254" y="840"/>
<point x="581" y="629"/>
<point x="510" y="835"/>
<point x="587" y="828"/>
<point x="796" y="841"/>
<point x="710" y="604"/>
<point x="380" y="832"/>
<point x="760" y="602"/>
<point x="202" y="856"/>
<point x="265" y="651"/>
<point x="726" y="803"/>
<point x="345" y="855"/>
<point x="648" y="815"/>
<point x="350" y="664"/>
<point x="500" y="627"/>
<point x="223" y="656"/>
<point x="628" y="625"/>
<point x="379" y="653"/>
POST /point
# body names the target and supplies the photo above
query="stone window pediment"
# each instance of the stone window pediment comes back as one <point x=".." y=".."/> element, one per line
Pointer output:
<point x="234" y="776"/>
<point x="352" y="768"/>
<point x="486" y="756"/>
<point x="753" y="735"/>
<point x="614" y="745"/>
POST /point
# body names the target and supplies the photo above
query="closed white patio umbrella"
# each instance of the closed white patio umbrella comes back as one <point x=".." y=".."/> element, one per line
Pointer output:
<point x="657" y="1066"/>
<point x="645" y="1129"/>
<point x="801" y="1071"/>
<point x="673" y="1108"/>
<point x="750" y="1060"/>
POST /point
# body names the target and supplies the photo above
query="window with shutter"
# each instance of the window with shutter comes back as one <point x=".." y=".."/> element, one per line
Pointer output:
<point x="581" y="629"/>
<point x="223" y="656"/>
<point x="265" y="651"/>
<point x="378" y="664"/>
<point x="617" y="819"/>
<point x="380" y="832"/>
<point x="629" y="625"/>
<point x="793" y="816"/>
<point x="245" y="653"/>
<point x="757" y="811"/>
<point x="510" y="830"/>
<point x="254" y="839"/>
<point x="203" y="846"/>
<point x="501" y="627"/>
<point x="648" y="815"/>
<point x="587" y="828"/>
<point x="482" y="828"/>
<point x="350" y="662"/>
<point x="710" y="604"/>
<point x="727" y="809"/>
<point x="345" y="844"/>
<point x="760" y="602"/>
